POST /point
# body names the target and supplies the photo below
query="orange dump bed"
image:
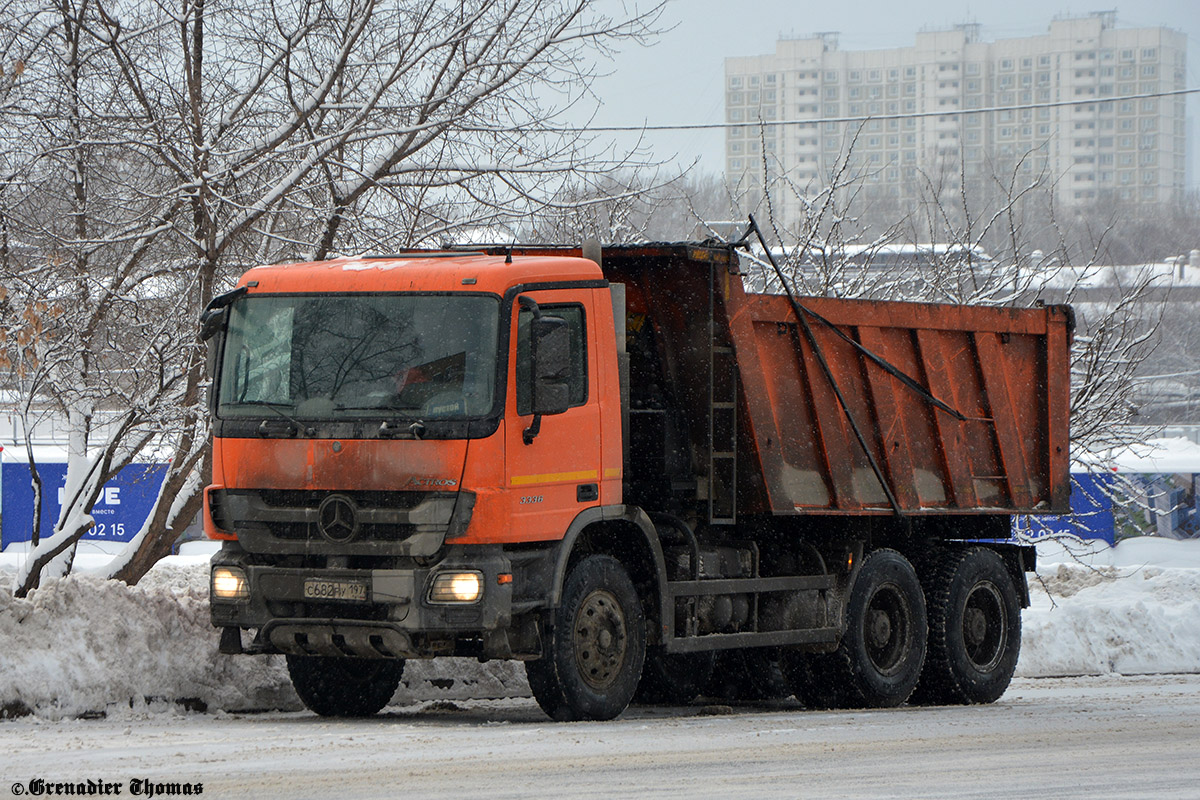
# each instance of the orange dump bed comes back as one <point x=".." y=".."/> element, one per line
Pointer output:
<point x="1004" y="371"/>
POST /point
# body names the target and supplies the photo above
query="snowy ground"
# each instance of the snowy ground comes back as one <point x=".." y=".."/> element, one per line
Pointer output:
<point x="1084" y="738"/>
<point x="84" y="647"/>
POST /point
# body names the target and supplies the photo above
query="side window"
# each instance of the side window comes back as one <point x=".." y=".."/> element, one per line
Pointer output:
<point x="573" y="314"/>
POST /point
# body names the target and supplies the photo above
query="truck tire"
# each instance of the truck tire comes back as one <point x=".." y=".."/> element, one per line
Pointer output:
<point x="673" y="678"/>
<point x="593" y="653"/>
<point x="344" y="687"/>
<point x="878" y="662"/>
<point x="974" y="629"/>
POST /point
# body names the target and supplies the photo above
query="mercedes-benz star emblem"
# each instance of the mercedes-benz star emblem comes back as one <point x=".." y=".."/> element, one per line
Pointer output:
<point x="337" y="518"/>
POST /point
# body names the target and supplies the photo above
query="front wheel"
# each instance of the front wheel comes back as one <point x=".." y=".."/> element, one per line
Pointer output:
<point x="344" y="687"/>
<point x="593" y="653"/>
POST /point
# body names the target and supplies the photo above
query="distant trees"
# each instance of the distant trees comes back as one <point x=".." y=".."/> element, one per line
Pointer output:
<point x="150" y="151"/>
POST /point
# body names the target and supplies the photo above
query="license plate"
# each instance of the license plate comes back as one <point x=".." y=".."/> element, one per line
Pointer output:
<point x="335" y="590"/>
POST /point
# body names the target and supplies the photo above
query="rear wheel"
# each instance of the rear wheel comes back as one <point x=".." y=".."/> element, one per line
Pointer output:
<point x="593" y="653"/>
<point x="878" y="662"/>
<point x="974" y="628"/>
<point x="345" y="687"/>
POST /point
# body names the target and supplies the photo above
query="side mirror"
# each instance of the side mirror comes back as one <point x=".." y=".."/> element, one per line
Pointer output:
<point x="212" y="322"/>
<point x="550" y="354"/>
<point x="215" y="316"/>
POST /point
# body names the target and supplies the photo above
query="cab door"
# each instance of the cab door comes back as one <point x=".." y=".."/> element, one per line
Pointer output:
<point x="556" y="475"/>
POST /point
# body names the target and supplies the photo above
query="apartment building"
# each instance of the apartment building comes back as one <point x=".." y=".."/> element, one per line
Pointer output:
<point x="1083" y="103"/>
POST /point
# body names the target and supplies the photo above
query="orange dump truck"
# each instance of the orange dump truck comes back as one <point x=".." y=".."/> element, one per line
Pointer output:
<point x="628" y="472"/>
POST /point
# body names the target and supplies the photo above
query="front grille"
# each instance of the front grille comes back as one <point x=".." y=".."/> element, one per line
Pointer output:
<point x="277" y="520"/>
<point x="300" y="531"/>
<point x="311" y="498"/>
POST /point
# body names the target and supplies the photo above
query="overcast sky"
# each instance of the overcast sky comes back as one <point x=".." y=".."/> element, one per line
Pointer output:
<point x="679" y="78"/>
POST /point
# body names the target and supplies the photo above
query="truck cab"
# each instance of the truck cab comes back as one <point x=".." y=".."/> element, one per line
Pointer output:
<point x="378" y="448"/>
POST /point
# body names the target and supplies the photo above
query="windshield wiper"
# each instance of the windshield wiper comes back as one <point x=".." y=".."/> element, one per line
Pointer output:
<point x="392" y="429"/>
<point x="264" y="431"/>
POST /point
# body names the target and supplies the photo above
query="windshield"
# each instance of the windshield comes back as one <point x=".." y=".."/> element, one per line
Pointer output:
<point x="338" y="356"/>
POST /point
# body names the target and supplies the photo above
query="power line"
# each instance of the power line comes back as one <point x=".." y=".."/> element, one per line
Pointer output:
<point x="696" y="126"/>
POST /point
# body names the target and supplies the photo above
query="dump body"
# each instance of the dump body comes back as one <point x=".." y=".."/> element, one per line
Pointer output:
<point x="792" y="448"/>
<point x="1004" y="370"/>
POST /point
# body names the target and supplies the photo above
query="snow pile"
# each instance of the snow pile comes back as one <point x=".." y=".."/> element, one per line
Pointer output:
<point x="1132" y="609"/>
<point x="83" y="646"/>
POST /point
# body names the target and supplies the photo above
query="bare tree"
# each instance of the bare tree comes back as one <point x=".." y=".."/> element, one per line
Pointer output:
<point x="171" y="144"/>
<point x="959" y="243"/>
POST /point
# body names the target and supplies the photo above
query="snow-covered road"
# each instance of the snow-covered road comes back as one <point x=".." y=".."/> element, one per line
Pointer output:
<point x="1091" y="737"/>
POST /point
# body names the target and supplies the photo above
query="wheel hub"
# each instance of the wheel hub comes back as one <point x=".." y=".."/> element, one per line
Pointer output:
<point x="887" y="629"/>
<point x="975" y="626"/>
<point x="880" y="629"/>
<point x="985" y="626"/>
<point x="600" y="641"/>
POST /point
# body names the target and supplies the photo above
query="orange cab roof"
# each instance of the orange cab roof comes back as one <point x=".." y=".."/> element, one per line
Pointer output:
<point x="419" y="272"/>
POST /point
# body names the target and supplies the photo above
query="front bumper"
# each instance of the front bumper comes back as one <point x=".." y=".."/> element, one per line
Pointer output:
<point x="395" y="620"/>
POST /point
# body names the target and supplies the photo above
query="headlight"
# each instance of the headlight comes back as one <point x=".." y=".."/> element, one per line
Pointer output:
<point x="229" y="583"/>
<point x="456" y="587"/>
